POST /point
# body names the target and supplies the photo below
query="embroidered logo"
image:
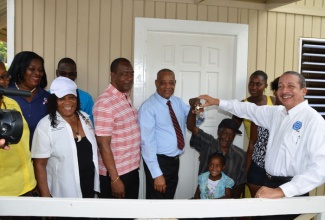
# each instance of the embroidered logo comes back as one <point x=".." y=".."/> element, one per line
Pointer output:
<point x="297" y="125"/>
<point x="44" y="101"/>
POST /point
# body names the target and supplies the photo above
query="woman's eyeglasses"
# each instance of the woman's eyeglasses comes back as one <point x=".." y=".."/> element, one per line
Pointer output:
<point x="5" y="76"/>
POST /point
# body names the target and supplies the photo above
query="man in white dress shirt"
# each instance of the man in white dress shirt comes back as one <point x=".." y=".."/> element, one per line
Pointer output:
<point x="295" y="157"/>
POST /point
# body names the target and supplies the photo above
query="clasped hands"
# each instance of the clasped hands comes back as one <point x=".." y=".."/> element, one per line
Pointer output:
<point x="197" y="107"/>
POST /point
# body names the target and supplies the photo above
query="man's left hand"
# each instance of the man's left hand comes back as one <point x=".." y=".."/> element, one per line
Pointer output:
<point x="270" y="193"/>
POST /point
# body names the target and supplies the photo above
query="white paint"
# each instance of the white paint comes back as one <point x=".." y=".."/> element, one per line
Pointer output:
<point x="10" y="31"/>
<point x="125" y="208"/>
<point x="207" y="58"/>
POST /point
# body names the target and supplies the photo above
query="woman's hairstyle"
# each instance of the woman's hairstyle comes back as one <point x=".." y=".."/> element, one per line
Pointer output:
<point x="260" y="73"/>
<point x="274" y="84"/>
<point x="20" y="64"/>
<point x="52" y="107"/>
<point x="217" y="155"/>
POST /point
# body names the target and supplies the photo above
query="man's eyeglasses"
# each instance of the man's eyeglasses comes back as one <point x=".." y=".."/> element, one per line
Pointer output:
<point x="68" y="74"/>
<point x="5" y="76"/>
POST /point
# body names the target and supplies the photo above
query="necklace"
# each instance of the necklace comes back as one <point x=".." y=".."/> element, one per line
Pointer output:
<point x="30" y="90"/>
<point x="77" y="132"/>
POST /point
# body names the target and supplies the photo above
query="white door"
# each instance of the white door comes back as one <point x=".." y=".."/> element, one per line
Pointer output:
<point x="203" y="63"/>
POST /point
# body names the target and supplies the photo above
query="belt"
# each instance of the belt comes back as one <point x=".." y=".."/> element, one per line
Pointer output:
<point x="168" y="157"/>
<point x="279" y="178"/>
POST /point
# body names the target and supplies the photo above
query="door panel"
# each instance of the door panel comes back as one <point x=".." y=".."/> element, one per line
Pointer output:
<point x="199" y="68"/>
<point x="207" y="58"/>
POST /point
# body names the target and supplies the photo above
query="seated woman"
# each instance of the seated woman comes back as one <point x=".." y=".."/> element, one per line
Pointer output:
<point x="64" y="147"/>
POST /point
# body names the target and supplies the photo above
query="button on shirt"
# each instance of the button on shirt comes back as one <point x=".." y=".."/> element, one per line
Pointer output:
<point x="291" y="151"/>
<point x="157" y="131"/>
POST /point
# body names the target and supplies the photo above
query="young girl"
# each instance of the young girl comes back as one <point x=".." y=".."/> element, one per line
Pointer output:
<point x="214" y="184"/>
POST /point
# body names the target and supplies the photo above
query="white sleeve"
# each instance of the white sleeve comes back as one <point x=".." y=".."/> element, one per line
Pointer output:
<point x="260" y="115"/>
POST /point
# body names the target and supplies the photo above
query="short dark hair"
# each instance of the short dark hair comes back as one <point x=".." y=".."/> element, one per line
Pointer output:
<point x="20" y="64"/>
<point x="165" y="70"/>
<point x="301" y="77"/>
<point x="275" y="84"/>
<point x="67" y="60"/>
<point x="116" y="62"/>
<point x="217" y="155"/>
<point x="260" y="73"/>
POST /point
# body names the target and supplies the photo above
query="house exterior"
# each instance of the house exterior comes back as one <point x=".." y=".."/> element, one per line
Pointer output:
<point x="95" y="32"/>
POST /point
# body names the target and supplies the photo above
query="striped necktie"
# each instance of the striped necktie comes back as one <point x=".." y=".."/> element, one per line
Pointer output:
<point x="179" y="134"/>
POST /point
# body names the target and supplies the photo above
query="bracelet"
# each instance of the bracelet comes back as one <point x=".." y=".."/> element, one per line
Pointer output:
<point x="118" y="177"/>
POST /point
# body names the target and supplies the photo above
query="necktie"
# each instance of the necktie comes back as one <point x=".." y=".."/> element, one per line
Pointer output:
<point x="179" y="134"/>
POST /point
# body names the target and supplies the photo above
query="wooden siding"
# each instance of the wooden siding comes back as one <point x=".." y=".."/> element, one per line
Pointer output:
<point x="95" y="32"/>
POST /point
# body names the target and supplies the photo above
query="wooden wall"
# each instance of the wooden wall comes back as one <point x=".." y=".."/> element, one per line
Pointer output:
<point x="95" y="32"/>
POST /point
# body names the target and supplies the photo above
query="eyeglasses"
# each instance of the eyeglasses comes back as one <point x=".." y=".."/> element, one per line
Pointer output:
<point x="68" y="74"/>
<point x="5" y="76"/>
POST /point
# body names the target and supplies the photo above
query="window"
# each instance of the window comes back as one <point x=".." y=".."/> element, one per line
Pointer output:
<point x="312" y="67"/>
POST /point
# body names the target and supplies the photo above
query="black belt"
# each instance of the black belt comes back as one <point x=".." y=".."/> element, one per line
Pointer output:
<point x="168" y="157"/>
<point x="279" y="178"/>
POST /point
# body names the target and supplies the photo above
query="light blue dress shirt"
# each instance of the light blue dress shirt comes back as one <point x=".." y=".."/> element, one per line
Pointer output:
<point x="157" y="131"/>
<point x="86" y="103"/>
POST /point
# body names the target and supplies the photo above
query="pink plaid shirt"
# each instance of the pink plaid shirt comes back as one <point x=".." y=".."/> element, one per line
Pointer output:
<point x="115" y="116"/>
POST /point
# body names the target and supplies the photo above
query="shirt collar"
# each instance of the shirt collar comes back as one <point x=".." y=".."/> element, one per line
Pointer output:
<point x="117" y="92"/>
<point x="162" y="99"/>
<point x="296" y="110"/>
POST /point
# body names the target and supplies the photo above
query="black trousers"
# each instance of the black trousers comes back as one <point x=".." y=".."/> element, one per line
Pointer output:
<point x="276" y="184"/>
<point x="169" y="167"/>
<point x="131" y="183"/>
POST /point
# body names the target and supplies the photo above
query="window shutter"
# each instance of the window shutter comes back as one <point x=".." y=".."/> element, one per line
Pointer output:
<point x="312" y="67"/>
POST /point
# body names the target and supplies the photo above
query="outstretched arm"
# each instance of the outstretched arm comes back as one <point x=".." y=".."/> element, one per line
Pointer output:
<point x="209" y="100"/>
<point x="191" y="117"/>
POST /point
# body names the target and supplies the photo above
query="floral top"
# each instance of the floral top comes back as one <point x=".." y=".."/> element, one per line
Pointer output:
<point x="208" y="192"/>
<point x="260" y="146"/>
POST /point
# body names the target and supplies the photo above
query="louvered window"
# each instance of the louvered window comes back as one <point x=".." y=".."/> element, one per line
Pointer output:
<point x="312" y="67"/>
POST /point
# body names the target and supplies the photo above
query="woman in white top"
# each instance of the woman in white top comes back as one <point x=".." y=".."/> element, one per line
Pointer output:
<point x="64" y="147"/>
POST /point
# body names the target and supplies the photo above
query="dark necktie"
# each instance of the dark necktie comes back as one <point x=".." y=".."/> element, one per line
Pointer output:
<point x="179" y="134"/>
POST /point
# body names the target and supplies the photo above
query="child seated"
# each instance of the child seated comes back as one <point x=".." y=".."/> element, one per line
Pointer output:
<point x="214" y="184"/>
